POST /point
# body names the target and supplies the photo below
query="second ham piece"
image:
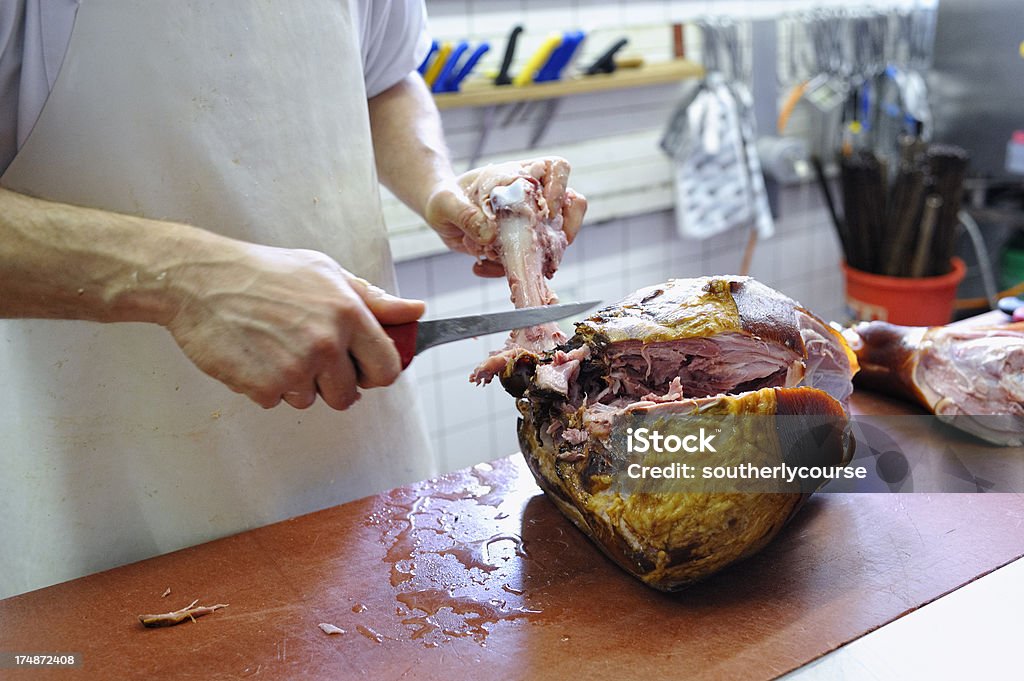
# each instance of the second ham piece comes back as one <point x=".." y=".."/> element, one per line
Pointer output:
<point x="971" y="378"/>
<point x="530" y="242"/>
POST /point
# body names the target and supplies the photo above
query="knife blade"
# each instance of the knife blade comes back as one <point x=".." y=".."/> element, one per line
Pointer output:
<point x="415" y="337"/>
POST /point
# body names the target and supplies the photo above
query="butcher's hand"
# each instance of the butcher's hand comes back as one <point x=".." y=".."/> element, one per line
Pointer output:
<point x="278" y="324"/>
<point x="457" y="212"/>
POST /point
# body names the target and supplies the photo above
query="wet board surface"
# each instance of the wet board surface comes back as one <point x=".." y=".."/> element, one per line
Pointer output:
<point x="476" y="575"/>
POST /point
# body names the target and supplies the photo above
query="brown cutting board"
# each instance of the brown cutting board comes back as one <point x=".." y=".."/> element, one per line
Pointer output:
<point x="476" y="575"/>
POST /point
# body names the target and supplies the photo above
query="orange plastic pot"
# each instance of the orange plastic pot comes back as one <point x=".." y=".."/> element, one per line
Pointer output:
<point x="924" y="301"/>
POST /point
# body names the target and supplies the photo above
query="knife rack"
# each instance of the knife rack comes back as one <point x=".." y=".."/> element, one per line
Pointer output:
<point x="484" y="93"/>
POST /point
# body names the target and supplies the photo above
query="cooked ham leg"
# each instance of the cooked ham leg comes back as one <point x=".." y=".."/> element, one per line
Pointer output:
<point x="530" y="243"/>
<point x="972" y="379"/>
<point x="681" y="355"/>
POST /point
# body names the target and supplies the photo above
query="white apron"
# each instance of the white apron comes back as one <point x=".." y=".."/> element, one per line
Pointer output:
<point x="247" y="120"/>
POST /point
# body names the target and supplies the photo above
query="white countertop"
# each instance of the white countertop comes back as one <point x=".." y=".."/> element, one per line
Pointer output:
<point x="974" y="632"/>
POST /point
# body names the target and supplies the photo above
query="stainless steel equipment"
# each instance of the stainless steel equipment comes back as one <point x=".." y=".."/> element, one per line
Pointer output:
<point x="977" y="80"/>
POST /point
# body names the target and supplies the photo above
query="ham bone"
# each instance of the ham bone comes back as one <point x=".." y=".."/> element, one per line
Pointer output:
<point x="530" y="245"/>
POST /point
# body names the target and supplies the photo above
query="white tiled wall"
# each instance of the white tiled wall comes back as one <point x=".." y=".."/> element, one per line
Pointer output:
<point x="611" y="138"/>
<point x="469" y="424"/>
<point x="588" y="129"/>
<point x="493" y="19"/>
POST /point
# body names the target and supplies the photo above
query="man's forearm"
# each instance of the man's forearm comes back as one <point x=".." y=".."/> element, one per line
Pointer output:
<point x="64" y="262"/>
<point x="408" y="141"/>
<point x="272" y="323"/>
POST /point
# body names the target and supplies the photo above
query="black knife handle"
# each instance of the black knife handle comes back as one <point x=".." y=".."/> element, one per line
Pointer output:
<point x="506" y="62"/>
<point x="606" y="62"/>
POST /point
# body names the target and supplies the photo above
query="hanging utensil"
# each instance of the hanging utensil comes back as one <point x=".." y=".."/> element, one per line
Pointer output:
<point x="710" y="136"/>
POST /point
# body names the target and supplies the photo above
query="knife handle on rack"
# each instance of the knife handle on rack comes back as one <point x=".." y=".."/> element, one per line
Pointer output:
<point x="452" y="83"/>
<point x="606" y="62"/>
<point x="559" y="59"/>
<point x="506" y="62"/>
<point x="434" y="70"/>
<point x="450" y="67"/>
<point x="434" y="46"/>
<point x="537" y="60"/>
<point x="404" y="336"/>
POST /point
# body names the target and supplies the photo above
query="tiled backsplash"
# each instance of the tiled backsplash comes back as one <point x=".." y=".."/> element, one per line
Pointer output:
<point x="470" y="424"/>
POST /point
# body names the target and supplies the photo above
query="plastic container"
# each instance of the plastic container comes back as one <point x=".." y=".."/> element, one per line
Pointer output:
<point x="1015" y="153"/>
<point x="925" y="301"/>
<point x="1012" y="263"/>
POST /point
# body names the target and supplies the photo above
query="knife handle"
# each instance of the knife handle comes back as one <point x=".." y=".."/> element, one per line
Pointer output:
<point x="538" y="59"/>
<point x="606" y="62"/>
<point x="456" y="80"/>
<point x="404" y="336"/>
<point x="449" y="68"/>
<point x="506" y="63"/>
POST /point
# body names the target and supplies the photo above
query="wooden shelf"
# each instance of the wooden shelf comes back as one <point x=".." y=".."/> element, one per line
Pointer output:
<point x="487" y="94"/>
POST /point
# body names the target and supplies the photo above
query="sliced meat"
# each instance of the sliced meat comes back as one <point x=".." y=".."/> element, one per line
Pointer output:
<point x="972" y="379"/>
<point x="714" y="336"/>
<point x="702" y="367"/>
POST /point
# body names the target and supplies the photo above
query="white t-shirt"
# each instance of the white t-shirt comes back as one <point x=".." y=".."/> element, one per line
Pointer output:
<point x="34" y="36"/>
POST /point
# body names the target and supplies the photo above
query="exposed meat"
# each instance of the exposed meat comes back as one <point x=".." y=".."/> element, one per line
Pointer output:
<point x="525" y="206"/>
<point x="712" y="346"/>
<point x="972" y="379"/>
<point x="829" y="358"/>
<point x="558" y="374"/>
<point x="712" y="336"/>
<point x="700" y="367"/>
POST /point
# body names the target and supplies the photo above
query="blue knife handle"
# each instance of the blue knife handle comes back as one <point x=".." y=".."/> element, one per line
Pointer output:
<point x="449" y="66"/>
<point x="426" y="60"/>
<point x="559" y="59"/>
<point x="453" y="83"/>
